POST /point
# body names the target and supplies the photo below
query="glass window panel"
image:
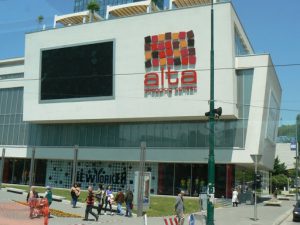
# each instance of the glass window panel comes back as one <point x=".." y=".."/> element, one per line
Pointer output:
<point x="3" y="108"/>
<point x="1" y="134"/>
<point x="134" y="135"/>
<point x="104" y="135"/>
<point x="89" y="135"/>
<point x="2" y="119"/>
<point x="192" y="135"/>
<point x="165" y="178"/>
<point x="111" y="135"/>
<point x="96" y="136"/>
<point x="82" y="135"/>
<point x="183" y="178"/>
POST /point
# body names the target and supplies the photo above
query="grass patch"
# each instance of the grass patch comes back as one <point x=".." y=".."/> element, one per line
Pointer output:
<point x="55" y="191"/>
<point x="164" y="206"/>
<point x="160" y="205"/>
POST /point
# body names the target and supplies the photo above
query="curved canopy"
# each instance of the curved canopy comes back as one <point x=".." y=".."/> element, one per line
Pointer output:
<point x="186" y="3"/>
<point x="130" y="9"/>
<point x="76" y="18"/>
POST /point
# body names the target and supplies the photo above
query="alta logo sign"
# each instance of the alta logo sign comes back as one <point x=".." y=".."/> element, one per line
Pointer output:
<point x="170" y="59"/>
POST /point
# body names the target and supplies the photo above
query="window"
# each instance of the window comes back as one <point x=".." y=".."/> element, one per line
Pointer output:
<point x="272" y="118"/>
<point x="240" y="48"/>
<point x="77" y="72"/>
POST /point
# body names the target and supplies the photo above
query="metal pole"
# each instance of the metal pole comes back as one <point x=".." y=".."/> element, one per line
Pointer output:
<point x="255" y="202"/>
<point x="31" y="174"/>
<point x="2" y="166"/>
<point x="211" y="157"/>
<point x="141" y="180"/>
<point x="297" y="163"/>
<point x="271" y="185"/>
<point x="297" y="154"/>
<point x="74" y="175"/>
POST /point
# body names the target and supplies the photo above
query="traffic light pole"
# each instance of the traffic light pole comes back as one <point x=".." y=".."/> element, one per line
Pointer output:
<point x="211" y="157"/>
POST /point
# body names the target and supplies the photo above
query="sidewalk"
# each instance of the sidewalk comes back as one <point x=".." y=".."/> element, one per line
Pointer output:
<point x="242" y="215"/>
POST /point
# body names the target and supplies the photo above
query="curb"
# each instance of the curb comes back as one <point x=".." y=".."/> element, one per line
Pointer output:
<point x="279" y="220"/>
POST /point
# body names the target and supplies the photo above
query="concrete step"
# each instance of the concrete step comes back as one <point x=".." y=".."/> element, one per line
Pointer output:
<point x="16" y="190"/>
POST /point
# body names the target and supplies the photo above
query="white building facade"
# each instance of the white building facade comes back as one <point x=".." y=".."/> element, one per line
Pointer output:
<point x="108" y="86"/>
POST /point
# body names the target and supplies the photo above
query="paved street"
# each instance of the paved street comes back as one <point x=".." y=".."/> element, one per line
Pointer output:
<point x="14" y="213"/>
<point x="289" y="221"/>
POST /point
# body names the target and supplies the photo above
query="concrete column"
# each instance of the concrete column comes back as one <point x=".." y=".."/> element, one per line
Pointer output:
<point x="31" y="173"/>
<point x="2" y="166"/>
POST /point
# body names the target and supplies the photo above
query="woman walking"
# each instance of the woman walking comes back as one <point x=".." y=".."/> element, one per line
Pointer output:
<point x="108" y="200"/>
<point x="75" y="192"/>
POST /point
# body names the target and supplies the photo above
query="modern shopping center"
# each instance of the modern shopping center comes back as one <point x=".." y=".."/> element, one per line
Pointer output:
<point x="107" y="86"/>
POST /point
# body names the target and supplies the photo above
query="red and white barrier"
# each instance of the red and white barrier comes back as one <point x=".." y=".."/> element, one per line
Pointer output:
<point x="170" y="222"/>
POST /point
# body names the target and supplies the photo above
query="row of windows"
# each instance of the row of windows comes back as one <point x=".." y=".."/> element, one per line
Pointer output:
<point x="11" y="76"/>
<point x="13" y="131"/>
<point x="173" y="134"/>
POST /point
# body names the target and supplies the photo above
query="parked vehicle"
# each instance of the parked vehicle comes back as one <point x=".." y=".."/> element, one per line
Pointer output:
<point x="296" y="212"/>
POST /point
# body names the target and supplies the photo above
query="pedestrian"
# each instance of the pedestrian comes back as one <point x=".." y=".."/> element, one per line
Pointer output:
<point x="235" y="200"/>
<point x="32" y="200"/>
<point x="48" y="195"/>
<point x="100" y="196"/>
<point x="128" y="201"/>
<point x="275" y="193"/>
<point x="120" y="198"/>
<point x="75" y="192"/>
<point x="179" y="208"/>
<point x="108" y="200"/>
<point x="90" y="199"/>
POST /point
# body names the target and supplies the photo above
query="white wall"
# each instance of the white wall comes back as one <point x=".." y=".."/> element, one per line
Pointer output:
<point x="285" y="155"/>
<point x="265" y="81"/>
<point x="11" y="66"/>
<point x="129" y="102"/>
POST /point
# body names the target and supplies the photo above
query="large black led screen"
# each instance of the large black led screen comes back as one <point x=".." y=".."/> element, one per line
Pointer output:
<point x="77" y="72"/>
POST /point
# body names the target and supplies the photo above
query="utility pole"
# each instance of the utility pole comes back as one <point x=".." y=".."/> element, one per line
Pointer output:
<point x="211" y="156"/>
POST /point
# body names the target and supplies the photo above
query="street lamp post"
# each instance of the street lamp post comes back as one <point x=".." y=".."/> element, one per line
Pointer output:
<point x="256" y="158"/>
<point x="211" y="156"/>
<point x="297" y="153"/>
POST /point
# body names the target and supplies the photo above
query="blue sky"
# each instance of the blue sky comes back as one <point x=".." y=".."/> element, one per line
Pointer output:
<point x="272" y="26"/>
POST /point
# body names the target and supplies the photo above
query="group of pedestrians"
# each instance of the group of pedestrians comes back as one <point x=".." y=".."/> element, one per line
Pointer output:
<point x="39" y="206"/>
<point x="105" y="199"/>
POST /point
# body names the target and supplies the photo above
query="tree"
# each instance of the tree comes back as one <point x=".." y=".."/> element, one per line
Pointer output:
<point x="93" y="6"/>
<point x="154" y="5"/>
<point x="287" y="130"/>
<point x="279" y="181"/>
<point x="279" y="168"/>
<point x="40" y="19"/>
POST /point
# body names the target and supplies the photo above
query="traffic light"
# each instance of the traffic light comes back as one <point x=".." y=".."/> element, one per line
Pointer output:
<point x="217" y="112"/>
<point x="257" y="180"/>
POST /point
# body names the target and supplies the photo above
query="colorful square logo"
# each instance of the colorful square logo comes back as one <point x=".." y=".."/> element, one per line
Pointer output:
<point x="168" y="49"/>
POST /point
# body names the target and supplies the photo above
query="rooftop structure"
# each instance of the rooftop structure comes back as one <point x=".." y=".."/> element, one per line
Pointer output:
<point x="76" y="18"/>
